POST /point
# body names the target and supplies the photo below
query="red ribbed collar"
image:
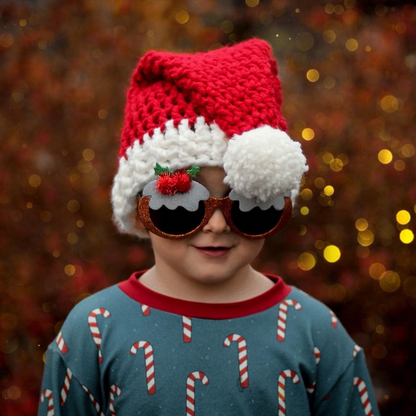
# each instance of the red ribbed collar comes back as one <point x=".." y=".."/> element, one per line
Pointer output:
<point x="140" y="293"/>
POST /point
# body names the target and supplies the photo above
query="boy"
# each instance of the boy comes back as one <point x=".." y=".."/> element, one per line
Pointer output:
<point x="207" y="172"/>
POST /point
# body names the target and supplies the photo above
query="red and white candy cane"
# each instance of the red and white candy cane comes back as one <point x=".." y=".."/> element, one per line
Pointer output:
<point x="187" y="328"/>
<point x="61" y="343"/>
<point x="190" y="390"/>
<point x="317" y="355"/>
<point x="334" y="320"/>
<point x="95" y="331"/>
<point x="150" y="366"/>
<point x="242" y="356"/>
<point x="281" y="388"/>
<point x="355" y="352"/>
<point x="365" y="400"/>
<point x="145" y="310"/>
<point x="94" y="402"/>
<point x="281" y="321"/>
<point x="114" y="389"/>
<point x="66" y="386"/>
<point x="47" y="394"/>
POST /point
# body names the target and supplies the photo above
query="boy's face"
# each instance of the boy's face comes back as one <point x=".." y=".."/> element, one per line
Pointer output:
<point x="214" y="254"/>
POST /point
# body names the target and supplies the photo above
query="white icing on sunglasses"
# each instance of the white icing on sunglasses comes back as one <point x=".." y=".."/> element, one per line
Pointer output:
<point x="189" y="200"/>
<point x="249" y="204"/>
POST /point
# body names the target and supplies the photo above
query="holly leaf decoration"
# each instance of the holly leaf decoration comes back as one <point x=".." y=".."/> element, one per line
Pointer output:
<point x="193" y="171"/>
<point x="161" y="169"/>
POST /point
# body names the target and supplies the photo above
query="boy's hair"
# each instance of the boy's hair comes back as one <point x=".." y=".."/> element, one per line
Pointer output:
<point x="220" y="108"/>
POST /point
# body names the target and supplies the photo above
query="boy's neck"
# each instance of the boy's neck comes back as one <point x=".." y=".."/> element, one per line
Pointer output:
<point x="247" y="284"/>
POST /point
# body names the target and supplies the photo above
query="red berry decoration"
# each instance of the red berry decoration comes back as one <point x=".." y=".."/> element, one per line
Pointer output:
<point x="166" y="184"/>
<point x="183" y="181"/>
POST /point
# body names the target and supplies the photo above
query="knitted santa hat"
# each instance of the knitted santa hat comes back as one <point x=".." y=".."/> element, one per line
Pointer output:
<point x="220" y="108"/>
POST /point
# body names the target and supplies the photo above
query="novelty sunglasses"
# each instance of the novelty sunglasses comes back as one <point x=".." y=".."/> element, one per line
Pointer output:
<point x="181" y="215"/>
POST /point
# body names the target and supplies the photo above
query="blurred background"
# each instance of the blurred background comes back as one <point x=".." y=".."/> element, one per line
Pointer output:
<point x="348" y="76"/>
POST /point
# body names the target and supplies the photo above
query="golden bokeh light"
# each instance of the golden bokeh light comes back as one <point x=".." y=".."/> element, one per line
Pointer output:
<point x="399" y="165"/>
<point x="72" y="238"/>
<point x="351" y="45"/>
<point x="329" y="190"/>
<point x="408" y="150"/>
<point x="308" y="134"/>
<point x="406" y="236"/>
<point x="328" y="158"/>
<point x="306" y="261"/>
<point x="336" y="165"/>
<point x="403" y="217"/>
<point x="312" y="75"/>
<point x="329" y="36"/>
<point x="304" y="210"/>
<point x="319" y="182"/>
<point x="69" y="270"/>
<point x="365" y="238"/>
<point x="252" y="3"/>
<point x="376" y="270"/>
<point x="35" y="181"/>
<point x="389" y="281"/>
<point x="389" y="103"/>
<point x="88" y="155"/>
<point x="306" y="194"/>
<point x="385" y="156"/>
<point x="361" y="224"/>
<point x="332" y="253"/>
<point x="182" y="16"/>
<point x="73" y="205"/>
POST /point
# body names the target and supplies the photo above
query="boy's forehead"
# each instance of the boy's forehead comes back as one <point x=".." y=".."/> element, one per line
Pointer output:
<point x="212" y="177"/>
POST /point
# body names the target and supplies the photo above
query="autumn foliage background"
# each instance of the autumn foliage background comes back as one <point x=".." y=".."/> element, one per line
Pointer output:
<point x="348" y="75"/>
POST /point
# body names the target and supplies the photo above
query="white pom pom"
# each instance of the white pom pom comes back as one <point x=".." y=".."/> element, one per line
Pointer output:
<point x="263" y="164"/>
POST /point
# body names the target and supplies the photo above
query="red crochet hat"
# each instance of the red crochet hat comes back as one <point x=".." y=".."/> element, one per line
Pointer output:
<point x="220" y="108"/>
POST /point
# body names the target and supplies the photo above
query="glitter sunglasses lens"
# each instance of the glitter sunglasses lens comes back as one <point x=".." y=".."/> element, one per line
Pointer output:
<point x="177" y="221"/>
<point x="255" y="221"/>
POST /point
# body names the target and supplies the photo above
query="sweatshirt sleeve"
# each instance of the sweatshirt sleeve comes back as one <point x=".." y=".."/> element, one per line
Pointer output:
<point x="62" y="394"/>
<point x="352" y="394"/>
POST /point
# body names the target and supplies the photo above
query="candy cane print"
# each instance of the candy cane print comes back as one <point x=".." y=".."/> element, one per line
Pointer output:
<point x="311" y="388"/>
<point x="187" y="328"/>
<point x="61" y="343"/>
<point x="190" y="390"/>
<point x="150" y="367"/>
<point x="95" y="331"/>
<point x="242" y="356"/>
<point x="66" y="386"/>
<point x="365" y="400"/>
<point x="333" y="319"/>
<point x="47" y="394"/>
<point x="355" y="352"/>
<point x="114" y="389"/>
<point x="145" y="310"/>
<point x="281" y="321"/>
<point x="281" y="388"/>
<point x="317" y="355"/>
<point x="94" y="402"/>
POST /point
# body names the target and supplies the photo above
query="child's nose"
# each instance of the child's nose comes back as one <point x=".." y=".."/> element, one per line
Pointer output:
<point x="217" y="223"/>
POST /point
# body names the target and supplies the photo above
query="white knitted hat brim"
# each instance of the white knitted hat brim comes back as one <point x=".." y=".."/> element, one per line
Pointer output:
<point x="263" y="163"/>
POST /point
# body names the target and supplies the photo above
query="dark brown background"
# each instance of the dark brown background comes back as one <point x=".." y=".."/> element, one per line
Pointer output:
<point x="65" y="67"/>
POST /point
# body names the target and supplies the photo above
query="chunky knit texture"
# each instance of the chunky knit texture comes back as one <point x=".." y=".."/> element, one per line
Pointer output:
<point x="220" y="108"/>
<point x="237" y="87"/>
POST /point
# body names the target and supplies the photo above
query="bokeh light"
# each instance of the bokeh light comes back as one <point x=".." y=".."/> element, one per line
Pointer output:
<point x="332" y="254"/>
<point x="347" y="71"/>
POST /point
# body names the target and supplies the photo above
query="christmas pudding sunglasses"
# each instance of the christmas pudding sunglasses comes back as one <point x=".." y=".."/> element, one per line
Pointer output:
<point x="174" y="206"/>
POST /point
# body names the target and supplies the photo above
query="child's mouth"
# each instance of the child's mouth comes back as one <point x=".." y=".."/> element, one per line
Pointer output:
<point x="214" y="251"/>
